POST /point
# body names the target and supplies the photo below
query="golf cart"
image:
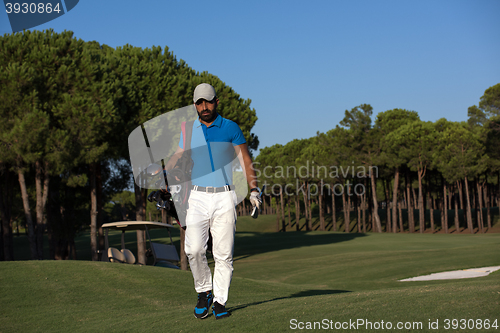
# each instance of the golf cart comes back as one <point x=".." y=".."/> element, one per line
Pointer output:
<point x="163" y="255"/>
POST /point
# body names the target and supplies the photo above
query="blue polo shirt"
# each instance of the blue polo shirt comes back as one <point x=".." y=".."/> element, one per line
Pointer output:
<point x="212" y="151"/>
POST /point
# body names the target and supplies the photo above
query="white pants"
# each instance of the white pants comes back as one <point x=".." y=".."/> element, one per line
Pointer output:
<point x="214" y="211"/>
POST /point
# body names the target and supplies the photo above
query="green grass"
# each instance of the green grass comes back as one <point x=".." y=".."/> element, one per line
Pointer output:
<point x="278" y="277"/>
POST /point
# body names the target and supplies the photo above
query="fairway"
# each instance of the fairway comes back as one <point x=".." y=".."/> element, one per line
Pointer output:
<point x="281" y="281"/>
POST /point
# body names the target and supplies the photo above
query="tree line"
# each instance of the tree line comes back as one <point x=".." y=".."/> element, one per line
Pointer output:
<point x="68" y="107"/>
<point x="397" y="166"/>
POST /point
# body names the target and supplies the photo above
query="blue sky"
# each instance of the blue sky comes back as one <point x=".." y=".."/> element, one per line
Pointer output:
<point x="303" y="63"/>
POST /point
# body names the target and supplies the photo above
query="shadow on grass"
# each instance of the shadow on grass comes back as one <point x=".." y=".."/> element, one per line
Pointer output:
<point x="246" y="243"/>
<point x="304" y="293"/>
<point x="251" y="243"/>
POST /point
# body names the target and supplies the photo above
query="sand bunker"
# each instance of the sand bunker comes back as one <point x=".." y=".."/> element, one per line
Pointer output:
<point x="461" y="274"/>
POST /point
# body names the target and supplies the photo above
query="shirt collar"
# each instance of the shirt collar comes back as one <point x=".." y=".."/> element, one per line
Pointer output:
<point x="197" y="122"/>
<point x="217" y="122"/>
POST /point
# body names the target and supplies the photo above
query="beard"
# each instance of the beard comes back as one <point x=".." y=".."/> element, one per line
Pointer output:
<point x="207" y="115"/>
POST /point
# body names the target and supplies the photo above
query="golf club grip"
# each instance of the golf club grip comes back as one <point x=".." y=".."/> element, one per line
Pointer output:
<point x="255" y="212"/>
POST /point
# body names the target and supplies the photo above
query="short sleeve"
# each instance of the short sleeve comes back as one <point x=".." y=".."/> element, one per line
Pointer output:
<point x="237" y="138"/>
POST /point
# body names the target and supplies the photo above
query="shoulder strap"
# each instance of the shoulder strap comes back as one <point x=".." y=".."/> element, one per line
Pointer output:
<point x="188" y="130"/>
<point x="183" y="132"/>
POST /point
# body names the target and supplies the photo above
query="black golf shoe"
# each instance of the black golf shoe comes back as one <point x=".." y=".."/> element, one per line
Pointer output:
<point x="220" y="311"/>
<point x="204" y="302"/>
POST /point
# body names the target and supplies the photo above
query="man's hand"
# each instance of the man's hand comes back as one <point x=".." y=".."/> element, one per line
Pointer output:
<point x="255" y="199"/>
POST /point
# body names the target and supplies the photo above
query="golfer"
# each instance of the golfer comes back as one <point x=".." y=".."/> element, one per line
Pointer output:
<point x="215" y="143"/>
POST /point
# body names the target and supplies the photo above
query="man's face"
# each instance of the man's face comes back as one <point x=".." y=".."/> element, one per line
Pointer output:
<point x="207" y="110"/>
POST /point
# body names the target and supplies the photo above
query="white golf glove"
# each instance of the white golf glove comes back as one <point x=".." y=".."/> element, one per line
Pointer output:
<point x="255" y="198"/>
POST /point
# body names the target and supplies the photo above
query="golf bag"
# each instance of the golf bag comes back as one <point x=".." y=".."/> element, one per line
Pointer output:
<point x="178" y="182"/>
<point x="182" y="173"/>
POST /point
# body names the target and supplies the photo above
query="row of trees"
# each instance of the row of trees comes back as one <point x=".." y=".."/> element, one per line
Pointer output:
<point x="67" y="109"/>
<point x="363" y="164"/>
<point x="69" y="105"/>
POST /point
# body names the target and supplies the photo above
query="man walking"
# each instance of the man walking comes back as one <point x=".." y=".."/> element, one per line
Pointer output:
<point x="215" y="143"/>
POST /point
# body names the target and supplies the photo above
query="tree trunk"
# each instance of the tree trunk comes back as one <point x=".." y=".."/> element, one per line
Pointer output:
<point x="344" y="205"/>
<point x="61" y="210"/>
<point x="376" y="218"/>
<point x="370" y="205"/>
<point x="388" y="225"/>
<point x="488" y="205"/>
<point x="72" y="249"/>
<point x="321" y="213"/>
<point x="363" y="210"/>
<point x="421" y="220"/>
<point x="309" y="208"/>
<point x="460" y="194"/>
<point x="415" y="198"/>
<point x="411" y="222"/>
<point x="401" y="229"/>
<point x="245" y="212"/>
<point x="473" y="197"/>
<point x="348" y="213"/>
<point x="283" y="222"/>
<point x="461" y="200"/>
<point x="52" y="218"/>
<point x="141" y="234"/>
<point x="469" y="213"/>
<point x="479" y="187"/>
<point x="289" y="214"/>
<point x="334" y="211"/>
<point x="473" y="194"/>
<point x="100" y="200"/>
<point x="93" y="211"/>
<point x="140" y="215"/>
<point x="27" y="215"/>
<point x="42" y="187"/>
<point x="270" y="205"/>
<point x="297" y="212"/>
<point x="431" y="211"/>
<point x="39" y="209"/>
<point x="277" y="215"/>
<point x="457" y="222"/>
<point x="358" y="211"/>
<point x="306" y="214"/>
<point x="395" y="200"/>
<point x="264" y="204"/>
<point x="445" y="210"/>
<point x="45" y="196"/>
<point x="6" y="200"/>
